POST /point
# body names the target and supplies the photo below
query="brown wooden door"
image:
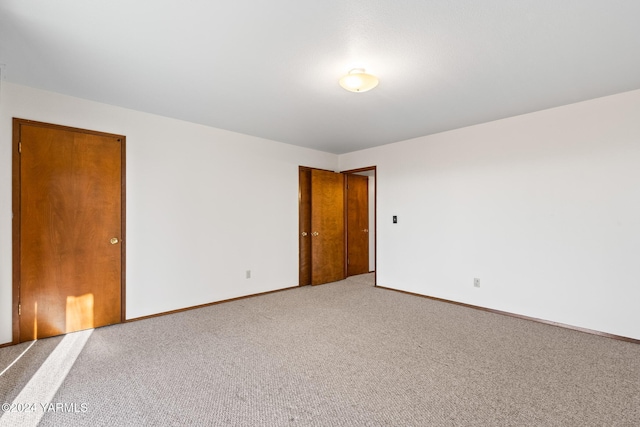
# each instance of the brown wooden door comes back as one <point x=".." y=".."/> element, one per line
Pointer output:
<point x="327" y="227"/>
<point x="304" y="226"/>
<point x="71" y="229"/>
<point x="357" y="224"/>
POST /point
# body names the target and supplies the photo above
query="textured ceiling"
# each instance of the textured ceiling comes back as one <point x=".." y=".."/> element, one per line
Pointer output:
<point x="271" y="68"/>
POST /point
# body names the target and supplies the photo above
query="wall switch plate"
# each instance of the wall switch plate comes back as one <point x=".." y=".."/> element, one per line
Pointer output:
<point x="248" y="274"/>
<point x="476" y="282"/>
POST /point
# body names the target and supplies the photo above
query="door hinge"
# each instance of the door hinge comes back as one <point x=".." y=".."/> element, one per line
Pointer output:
<point x="348" y="261"/>
<point x="19" y="309"/>
<point x="19" y="147"/>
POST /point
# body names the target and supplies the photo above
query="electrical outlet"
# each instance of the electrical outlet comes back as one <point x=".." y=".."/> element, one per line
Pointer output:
<point x="476" y="282"/>
<point x="248" y="274"/>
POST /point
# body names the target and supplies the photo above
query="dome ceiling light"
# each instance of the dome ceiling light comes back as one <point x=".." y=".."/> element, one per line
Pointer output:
<point x="358" y="81"/>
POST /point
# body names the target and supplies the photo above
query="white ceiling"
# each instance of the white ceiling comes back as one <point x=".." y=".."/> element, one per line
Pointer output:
<point x="271" y="68"/>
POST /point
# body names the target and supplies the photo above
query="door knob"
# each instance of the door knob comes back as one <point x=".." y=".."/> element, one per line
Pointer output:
<point x="114" y="240"/>
<point x="315" y="233"/>
<point x="304" y="234"/>
<point x="366" y="230"/>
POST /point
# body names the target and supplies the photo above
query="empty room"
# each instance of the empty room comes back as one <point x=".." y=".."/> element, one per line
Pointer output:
<point x="348" y="213"/>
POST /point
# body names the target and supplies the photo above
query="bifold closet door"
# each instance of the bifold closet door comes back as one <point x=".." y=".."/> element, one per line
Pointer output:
<point x="357" y="224"/>
<point x="327" y="227"/>
<point x="304" y="226"/>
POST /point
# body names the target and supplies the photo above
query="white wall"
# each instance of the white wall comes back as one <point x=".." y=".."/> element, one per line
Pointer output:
<point x="544" y="208"/>
<point x="203" y="205"/>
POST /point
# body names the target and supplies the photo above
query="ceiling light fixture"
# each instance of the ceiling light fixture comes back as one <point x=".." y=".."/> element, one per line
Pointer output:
<point x="358" y="81"/>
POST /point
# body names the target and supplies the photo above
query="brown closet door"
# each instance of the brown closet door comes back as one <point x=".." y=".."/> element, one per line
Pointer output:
<point x="327" y="227"/>
<point x="357" y="224"/>
<point x="70" y="230"/>
<point x="304" y="226"/>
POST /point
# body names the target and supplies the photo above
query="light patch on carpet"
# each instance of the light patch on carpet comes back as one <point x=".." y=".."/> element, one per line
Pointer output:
<point x="18" y="358"/>
<point x="44" y="384"/>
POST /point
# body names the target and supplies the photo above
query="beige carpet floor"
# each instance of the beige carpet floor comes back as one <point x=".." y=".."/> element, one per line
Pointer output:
<point x="341" y="354"/>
